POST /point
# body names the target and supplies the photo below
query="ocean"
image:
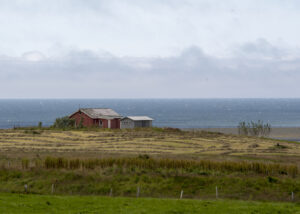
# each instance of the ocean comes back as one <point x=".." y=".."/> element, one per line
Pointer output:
<point x="179" y="113"/>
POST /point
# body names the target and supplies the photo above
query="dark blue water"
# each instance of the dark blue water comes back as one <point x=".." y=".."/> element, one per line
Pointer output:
<point x="181" y="113"/>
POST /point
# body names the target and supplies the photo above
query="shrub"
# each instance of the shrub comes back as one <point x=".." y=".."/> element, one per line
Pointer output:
<point x="64" y="122"/>
<point x="40" y="125"/>
<point x="272" y="179"/>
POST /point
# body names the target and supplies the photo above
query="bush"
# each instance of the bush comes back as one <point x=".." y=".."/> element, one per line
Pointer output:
<point x="40" y="125"/>
<point x="64" y="122"/>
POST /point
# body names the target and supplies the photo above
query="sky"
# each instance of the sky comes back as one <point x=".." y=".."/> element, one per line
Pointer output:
<point x="149" y="49"/>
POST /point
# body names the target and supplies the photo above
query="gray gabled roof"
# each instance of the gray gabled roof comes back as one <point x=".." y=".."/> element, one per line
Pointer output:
<point x="100" y="113"/>
<point x="138" y="118"/>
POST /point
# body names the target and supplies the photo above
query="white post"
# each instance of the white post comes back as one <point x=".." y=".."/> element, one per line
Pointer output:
<point x="181" y="194"/>
<point x="25" y="187"/>
<point x="217" y="192"/>
<point x="52" y="188"/>
<point x="138" y="192"/>
<point x="110" y="193"/>
<point x="292" y="196"/>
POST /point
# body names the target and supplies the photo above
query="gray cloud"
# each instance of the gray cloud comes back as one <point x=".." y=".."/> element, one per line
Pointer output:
<point x="193" y="73"/>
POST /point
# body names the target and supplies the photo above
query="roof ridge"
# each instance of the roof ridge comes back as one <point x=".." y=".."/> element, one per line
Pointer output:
<point x="100" y="112"/>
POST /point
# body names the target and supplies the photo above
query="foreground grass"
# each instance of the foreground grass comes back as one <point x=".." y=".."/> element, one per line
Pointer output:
<point x="158" y="183"/>
<point x="15" y="203"/>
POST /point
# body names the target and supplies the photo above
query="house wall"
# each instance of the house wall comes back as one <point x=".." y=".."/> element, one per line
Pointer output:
<point x="86" y="120"/>
<point x="89" y="122"/>
<point x="115" y="123"/>
<point x="143" y="123"/>
<point x="130" y="124"/>
<point x="127" y="124"/>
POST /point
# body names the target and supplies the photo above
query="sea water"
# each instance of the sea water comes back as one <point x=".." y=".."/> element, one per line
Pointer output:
<point x="180" y="113"/>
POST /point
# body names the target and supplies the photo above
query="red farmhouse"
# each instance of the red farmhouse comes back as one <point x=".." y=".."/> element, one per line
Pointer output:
<point x="99" y="117"/>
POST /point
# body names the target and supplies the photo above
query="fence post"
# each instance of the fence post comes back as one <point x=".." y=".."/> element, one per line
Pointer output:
<point x="217" y="194"/>
<point x="110" y="193"/>
<point x="181" y="194"/>
<point x="292" y="196"/>
<point x="52" y="188"/>
<point x="25" y="187"/>
<point x="138" y="192"/>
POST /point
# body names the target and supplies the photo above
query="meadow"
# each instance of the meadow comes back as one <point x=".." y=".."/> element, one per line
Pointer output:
<point x="154" y="163"/>
<point x="156" y="142"/>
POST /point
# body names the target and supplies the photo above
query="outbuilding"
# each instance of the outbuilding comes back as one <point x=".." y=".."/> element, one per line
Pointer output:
<point x="97" y="117"/>
<point x="130" y="122"/>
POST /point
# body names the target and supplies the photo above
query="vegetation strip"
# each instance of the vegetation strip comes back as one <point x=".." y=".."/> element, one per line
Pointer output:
<point x="153" y="177"/>
<point x="15" y="203"/>
<point x="143" y="161"/>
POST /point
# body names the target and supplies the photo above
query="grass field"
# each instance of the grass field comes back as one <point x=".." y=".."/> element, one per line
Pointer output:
<point x="155" y="142"/>
<point x="15" y="203"/>
<point x="162" y="162"/>
<point x="159" y="183"/>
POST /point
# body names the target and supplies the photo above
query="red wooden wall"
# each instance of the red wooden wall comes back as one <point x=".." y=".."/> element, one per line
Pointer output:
<point x="89" y="122"/>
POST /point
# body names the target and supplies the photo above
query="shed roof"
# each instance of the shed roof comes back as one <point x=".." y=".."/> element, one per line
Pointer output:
<point x="100" y="112"/>
<point x="138" y="118"/>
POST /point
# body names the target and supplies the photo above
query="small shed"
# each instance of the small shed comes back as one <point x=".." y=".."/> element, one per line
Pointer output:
<point x="130" y="122"/>
<point x="97" y="117"/>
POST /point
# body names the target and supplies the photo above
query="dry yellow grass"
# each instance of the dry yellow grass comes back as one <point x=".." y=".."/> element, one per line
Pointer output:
<point x="19" y="143"/>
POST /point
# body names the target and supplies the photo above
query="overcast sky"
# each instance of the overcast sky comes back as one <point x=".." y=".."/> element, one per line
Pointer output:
<point x="149" y="49"/>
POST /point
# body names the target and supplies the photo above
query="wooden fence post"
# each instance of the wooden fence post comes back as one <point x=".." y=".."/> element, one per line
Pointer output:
<point x="181" y="194"/>
<point x="138" y="192"/>
<point x="217" y="194"/>
<point x="292" y="196"/>
<point x="110" y="193"/>
<point x="52" y="188"/>
<point x="26" y="188"/>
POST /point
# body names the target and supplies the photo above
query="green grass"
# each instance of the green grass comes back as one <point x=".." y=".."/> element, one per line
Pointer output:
<point x="15" y="203"/>
<point x="158" y="183"/>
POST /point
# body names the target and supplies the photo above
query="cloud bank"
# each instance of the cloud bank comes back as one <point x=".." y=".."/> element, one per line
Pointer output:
<point x="256" y="69"/>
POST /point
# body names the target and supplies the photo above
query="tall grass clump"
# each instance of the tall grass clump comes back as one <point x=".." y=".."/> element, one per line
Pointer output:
<point x="25" y="163"/>
<point x="185" y="165"/>
<point x="256" y="129"/>
<point x="74" y="164"/>
<point x="56" y="163"/>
